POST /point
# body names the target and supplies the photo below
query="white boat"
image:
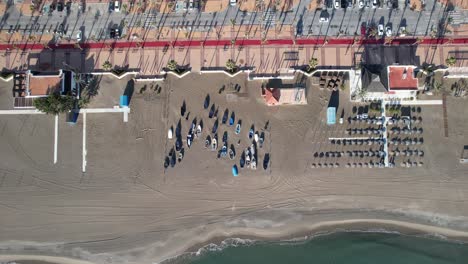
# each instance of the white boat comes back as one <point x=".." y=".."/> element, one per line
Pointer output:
<point x="256" y="137"/>
<point x="247" y="158"/>
<point x="189" y="140"/>
<point x="231" y="154"/>
<point x="170" y="133"/>
<point x="238" y="128"/>
<point x="199" y="131"/>
<point x="253" y="163"/>
<point x="252" y="150"/>
<point x="214" y="144"/>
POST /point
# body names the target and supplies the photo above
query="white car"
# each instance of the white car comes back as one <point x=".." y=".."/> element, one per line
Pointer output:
<point x="323" y="19"/>
<point x="233" y="2"/>
<point x="375" y="3"/>
<point x="402" y="31"/>
<point x="388" y="31"/>
<point x="361" y="4"/>
<point x="78" y="36"/>
<point x="380" y="30"/>
<point x="117" y="6"/>
<point x="337" y="4"/>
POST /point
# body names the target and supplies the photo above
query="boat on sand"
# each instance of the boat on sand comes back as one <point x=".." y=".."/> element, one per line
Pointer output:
<point x="214" y="144"/>
<point x="238" y="128"/>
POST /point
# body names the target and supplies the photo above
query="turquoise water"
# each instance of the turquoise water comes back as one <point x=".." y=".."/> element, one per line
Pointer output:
<point x="347" y="247"/>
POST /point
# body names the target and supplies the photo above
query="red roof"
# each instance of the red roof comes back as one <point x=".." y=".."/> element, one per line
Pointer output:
<point x="402" y="78"/>
<point x="271" y="96"/>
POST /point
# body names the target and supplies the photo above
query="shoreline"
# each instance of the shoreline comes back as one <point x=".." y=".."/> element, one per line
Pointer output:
<point x="330" y="227"/>
<point x="324" y="228"/>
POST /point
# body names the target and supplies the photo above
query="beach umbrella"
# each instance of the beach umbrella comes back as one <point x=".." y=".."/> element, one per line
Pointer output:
<point x="353" y="165"/>
<point x="330" y="165"/>
<point x="336" y="165"/>
<point x="402" y="164"/>
<point x="421" y="153"/>
<point x="348" y="165"/>
<point x="420" y="164"/>
<point x="370" y="166"/>
<point x="319" y="165"/>
<point x="313" y="165"/>
<point x="360" y="165"/>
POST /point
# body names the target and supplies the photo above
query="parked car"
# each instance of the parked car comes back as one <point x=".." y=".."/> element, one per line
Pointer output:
<point x="375" y="3"/>
<point x="232" y="2"/>
<point x="68" y="6"/>
<point x="337" y="4"/>
<point x="114" y="33"/>
<point x="402" y="31"/>
<point x="79" y="36"/>
<point x="116" y="6"/>
<point x="323" y="19"/>
<point x="361" y="4"/>
<point x="388" y="31"/>
<point x="60" y="6"/>
<point x="380" y="29"/>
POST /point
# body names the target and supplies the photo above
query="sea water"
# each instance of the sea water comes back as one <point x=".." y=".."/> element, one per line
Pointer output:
<point x="336" y="248"/>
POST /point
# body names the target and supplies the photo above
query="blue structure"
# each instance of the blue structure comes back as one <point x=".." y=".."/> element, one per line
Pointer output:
<point x="123" y="101"/>
<point x="72" y="117"/>
<point x="235" y="171"/>
<point x="331" y="115"/>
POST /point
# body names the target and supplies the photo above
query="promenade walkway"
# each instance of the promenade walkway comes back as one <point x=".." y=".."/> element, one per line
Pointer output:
<point x="250" y="42"/>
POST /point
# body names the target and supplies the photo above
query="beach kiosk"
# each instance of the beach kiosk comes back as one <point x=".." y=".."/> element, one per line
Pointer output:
<point x="331" y="115"/>
<point x="123" y="101"/>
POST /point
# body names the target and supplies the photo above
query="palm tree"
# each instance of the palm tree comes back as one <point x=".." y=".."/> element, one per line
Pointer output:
<point x="372" y="32"/>
<point x="172" y="65"/>
<point x="106" y="65"/>
<point x="313" y="62"/>
<point x="233" y="22"/>
<point x="231" y="65"/>
<point x="450" y="61"/>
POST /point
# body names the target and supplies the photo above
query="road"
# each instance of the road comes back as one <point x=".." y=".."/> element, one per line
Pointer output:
<point x="97" y="20"/>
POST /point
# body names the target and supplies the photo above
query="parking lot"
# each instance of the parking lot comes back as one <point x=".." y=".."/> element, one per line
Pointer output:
<point x="99" y="19"/>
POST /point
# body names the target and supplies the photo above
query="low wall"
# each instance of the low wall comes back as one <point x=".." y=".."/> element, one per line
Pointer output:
<point x="175" y="74"/>
<point x="114" y="75"/>
<point x="149" y="79"/>
<point x="218" y="71"/>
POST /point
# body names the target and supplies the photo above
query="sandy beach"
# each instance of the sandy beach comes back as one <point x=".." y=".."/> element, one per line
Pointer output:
<point x="127" y="208"/>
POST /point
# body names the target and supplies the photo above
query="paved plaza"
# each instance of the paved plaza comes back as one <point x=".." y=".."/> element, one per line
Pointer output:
<point x="264" y="59"/>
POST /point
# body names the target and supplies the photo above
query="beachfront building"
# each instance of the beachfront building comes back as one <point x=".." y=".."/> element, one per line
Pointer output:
<point x="282" y="96"/>
<point x="30" y="85"/>
<point x="395" y="82"/>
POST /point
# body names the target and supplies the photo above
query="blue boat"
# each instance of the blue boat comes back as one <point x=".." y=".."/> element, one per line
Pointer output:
<point x="207" y="102"/>
<point x="232" y="118"/>
<point x="215" y="127"/>
<point x="235" y="172"/>
<point x="251" y="133"/>
<point x="212" y="111"/>
<point x="225" y="116"/>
